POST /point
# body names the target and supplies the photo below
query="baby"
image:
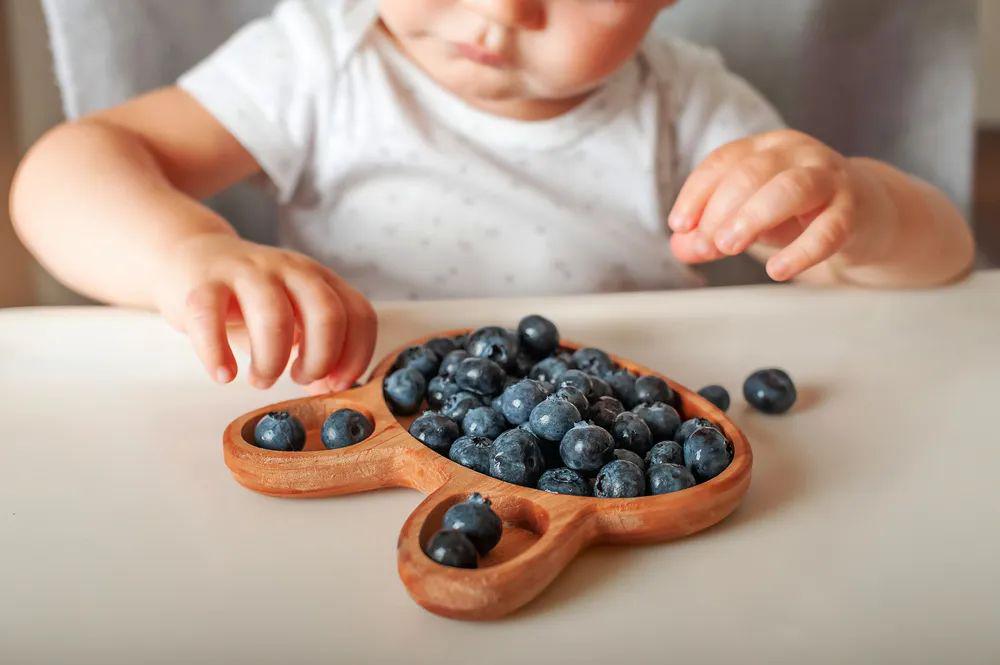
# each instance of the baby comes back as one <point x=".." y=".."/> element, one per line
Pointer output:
<point x="449" y="148"/>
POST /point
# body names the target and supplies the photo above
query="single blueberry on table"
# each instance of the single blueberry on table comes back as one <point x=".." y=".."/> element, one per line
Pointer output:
<point x="707" y="453"/>
<point x="480" y="376"/>
<point x="484" y="421"/>
<point x="604" y="410"/>
<point x="620" y="479"/>
<point x="441" y="346"/>
<point x="450" y="363"/>
<point x="549" y="370"/>
<point x="517" y="458"/>
<point x="435" y="431"/>
<point x="717" y="395"/>
<point x="651" y="389"/>
<point x="472" y="452"/>
<point x="631" y="432"/>
<point x="629" y="456"/>
<point x="452" y="548"/>
<point x="622" y="385"/>
<point x="281" y="431"/>
<point x="459" y="404"/>
<point x="551" y="419"/>
<point x="575" y="397"/>
<point x="586" y="448"/>
<point x="770" y="391"/>
<point x="578" y="379"/>
<point x="564" y="481"/>
<point x="520" y="399"/>
<point x="667" y="478"/>
<point x="420" y="358"/>
<point x="662" y="419"/>
<point x="688" y="427"/>
<point x="495" y="343"/>
<point x="439" y="390"/>
<point x="539" y="336"/>
<point x="404" y="391"/>
<point x="665" y="452"/>
<point x="345" y="427"/>
<point x="594" y="361"/>
<point x="475" y="518"/>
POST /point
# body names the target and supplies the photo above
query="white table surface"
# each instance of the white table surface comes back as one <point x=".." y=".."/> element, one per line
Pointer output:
<point x="871" y="532"/>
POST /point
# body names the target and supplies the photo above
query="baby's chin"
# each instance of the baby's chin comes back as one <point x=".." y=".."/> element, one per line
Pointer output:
<point x="500" y="86"/>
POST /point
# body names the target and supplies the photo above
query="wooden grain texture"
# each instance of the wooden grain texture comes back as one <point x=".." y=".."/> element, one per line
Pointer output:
<point x="542" y="532"/>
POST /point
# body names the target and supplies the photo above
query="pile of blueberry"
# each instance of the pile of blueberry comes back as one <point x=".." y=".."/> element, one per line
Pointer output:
<point x="281" y="431"/>
<point x="516" y="406"/>
<point x="470" y="530"/>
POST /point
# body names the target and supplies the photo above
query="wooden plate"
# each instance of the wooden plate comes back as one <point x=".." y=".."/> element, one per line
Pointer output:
<point x="542" y="531"/>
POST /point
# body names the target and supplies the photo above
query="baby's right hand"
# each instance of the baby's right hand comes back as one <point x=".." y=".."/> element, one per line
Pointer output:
<point x="215" y="284"/>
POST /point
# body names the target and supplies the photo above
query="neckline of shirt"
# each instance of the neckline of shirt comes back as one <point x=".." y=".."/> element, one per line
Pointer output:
<point x="488" y="128"/>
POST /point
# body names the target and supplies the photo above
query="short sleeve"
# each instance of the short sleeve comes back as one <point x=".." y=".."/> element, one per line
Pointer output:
<point x="709" y="106"/>
<point x="262" y="86"/>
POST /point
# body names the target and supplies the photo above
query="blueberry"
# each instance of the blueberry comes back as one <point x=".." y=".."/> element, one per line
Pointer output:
<point x="476" y="519"/>
<point x="452" y="548"/>
<point x="523" y="364"/>
<point x="520" y="399"/>
<point x="665" y="452"/>
<point x="404" y="391"/>
<point x="472" y="452"/>
<point x="439" y="390"/>
<point x="484" y="421"/>
<point x="549" y="370"/>
<point x="459" y="404"/>
<point x="494" y="343"/>
<point x="345" y="427"/>
<point x="717" y="395"/>
<point x="623" y="386"/>
<point x="435" y="431"/>
<point x="667" y="478"/>
<point x="770" y="391"/>
<point x="564" y="481"/>
<point x="279" y="430"/>
<point x="652" y="389"/>
<point x="551" y="419"/>
<point x="517" y="458"/>
<point x="599" y="388"/>
<point x="578" y="379"/>
<point x="497" y="403"/>
<point x="707" y="453"/>
<point x="594" y="361"/>
<point x="575" y="397"/>
<point x="604" y="410"/>
<point x="688" y="427"/>
<point x="631" y="433"/>
<point x="450" y="363"/>
<point x="586" y="447"/>
<point x="420" y="358"/>
<point x="538" y="335"/>
<point x="461" y="341"/>
<point x="620" y="479"/>
<point x="662" y="419"/>
<point x="480" y="376"/>
<point x="629" y="456"/>
<point x="442" y="346"/>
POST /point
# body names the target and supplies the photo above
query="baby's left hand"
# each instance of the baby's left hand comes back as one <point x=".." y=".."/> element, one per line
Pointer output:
<point x="783" y="189"/>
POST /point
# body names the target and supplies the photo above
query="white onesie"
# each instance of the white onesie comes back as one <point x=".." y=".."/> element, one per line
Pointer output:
<point x="406" y="191"/>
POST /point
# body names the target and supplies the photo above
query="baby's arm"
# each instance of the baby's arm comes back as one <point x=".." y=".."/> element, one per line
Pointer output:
<point x="814" y="214"/>
<point x="110" y="205"/>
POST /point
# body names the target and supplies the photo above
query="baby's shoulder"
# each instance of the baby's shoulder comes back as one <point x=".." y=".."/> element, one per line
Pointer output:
<point x="673" y="61"/>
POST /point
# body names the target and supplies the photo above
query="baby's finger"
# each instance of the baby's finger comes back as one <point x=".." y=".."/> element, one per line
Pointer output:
<point x="698" y="188"/>
<point x="271" y="325"/>
<point x="205" y="324"/>
<point x="737" y="187"/>
<point x="789" y="194"/>
<point x="818" y="242"/>
<point x="324" y="323"/>
<point x="362" y="330"/>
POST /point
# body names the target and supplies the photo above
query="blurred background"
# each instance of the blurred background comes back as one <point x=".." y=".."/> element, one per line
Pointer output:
<point x="30" y="100"/>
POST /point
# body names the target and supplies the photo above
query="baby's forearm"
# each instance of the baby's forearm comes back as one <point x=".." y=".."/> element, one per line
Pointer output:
<point x="94" y="206"/>
<point x="910" y="234"/>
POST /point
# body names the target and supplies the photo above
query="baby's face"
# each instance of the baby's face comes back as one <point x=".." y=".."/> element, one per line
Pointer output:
<point x="499" y="50"/>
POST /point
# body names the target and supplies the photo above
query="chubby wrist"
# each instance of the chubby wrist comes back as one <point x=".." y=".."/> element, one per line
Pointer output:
<point x="878" y="219"/>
